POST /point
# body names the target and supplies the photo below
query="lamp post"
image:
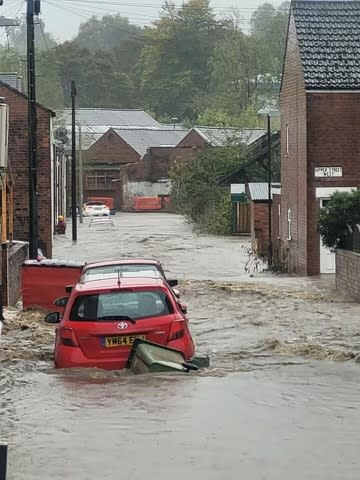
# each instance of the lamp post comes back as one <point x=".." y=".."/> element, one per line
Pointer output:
<point x="268" y="113"/>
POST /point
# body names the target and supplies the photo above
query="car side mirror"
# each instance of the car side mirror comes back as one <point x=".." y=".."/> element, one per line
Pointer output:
<point x="173" y="283"/>
<point x="61" y="302"/>
<point x="53" y="317"/>
<point x="183" y="308"/>
<point x="68" y="288"/>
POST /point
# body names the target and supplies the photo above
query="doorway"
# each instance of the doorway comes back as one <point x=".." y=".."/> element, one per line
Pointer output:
<point x="327" y="256"/>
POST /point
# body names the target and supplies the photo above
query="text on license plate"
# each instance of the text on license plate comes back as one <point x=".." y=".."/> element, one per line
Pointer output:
<point x="127" y="340"/>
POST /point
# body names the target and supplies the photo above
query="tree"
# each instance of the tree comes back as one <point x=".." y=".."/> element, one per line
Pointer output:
<point x="49" y="87"/>
<point x="110" y="32"/>
<point x="99" y="83"/>
<point x="175" y="67"/>
<point x="43" y="39"/>
<point x="340" y="215"/>
<point x="195" y="188"/>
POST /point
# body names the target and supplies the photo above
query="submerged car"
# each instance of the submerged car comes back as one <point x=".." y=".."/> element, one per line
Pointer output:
<point x="104" y="315"/>
<point x="95" y="209"/>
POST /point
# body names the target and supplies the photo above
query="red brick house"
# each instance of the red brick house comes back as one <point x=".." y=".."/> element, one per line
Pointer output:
<point x="200" y="137"/>
<point x="320" y="124"/>
<point x="106" y="159"/>
<point x="19" y="166"/>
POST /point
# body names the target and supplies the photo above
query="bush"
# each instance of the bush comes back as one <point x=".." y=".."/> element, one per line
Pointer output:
<point x="341" y="212"/>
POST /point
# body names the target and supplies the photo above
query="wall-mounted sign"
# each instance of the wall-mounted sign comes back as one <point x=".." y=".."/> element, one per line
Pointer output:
<point x="328" y="172"/>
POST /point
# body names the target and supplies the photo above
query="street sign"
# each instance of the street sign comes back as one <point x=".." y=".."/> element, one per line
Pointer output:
<point x="328" y="172"/>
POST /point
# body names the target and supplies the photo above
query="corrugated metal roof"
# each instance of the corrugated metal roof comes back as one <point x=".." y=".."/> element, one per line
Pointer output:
<point x="328" y="33"/>
<point x="109" y="117"/>
<point x="140" y="139"/>
<point x="219" y="137"/>
<point x="260" y="190"/>
<point x="11" y="79"/>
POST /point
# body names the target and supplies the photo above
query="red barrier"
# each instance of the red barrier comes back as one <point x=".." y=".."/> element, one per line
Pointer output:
<point x="109" y="201"/>
<point x="147" y="203"/>
<point x="43" y="282"/>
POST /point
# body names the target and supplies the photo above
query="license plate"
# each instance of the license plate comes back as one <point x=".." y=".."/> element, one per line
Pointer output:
<point x="122" y="341"/>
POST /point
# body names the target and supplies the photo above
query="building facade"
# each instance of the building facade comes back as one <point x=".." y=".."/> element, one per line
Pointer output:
<point x="320" y="124"/>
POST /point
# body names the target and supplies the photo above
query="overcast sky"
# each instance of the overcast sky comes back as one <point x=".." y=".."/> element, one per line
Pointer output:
<point x="63" y="17"/>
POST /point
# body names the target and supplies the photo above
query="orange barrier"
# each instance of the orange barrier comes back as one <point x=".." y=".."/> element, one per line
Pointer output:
<point x="109" y="201"/>
<point x="147" y="203"/>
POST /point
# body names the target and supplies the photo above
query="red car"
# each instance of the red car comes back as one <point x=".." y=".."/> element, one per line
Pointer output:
<point x="103" y="316"/>
<point x="126" y="265"/>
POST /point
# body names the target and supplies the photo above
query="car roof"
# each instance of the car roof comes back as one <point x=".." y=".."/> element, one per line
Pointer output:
<point x="106" y="282"/>
<point x="123" y="261"/>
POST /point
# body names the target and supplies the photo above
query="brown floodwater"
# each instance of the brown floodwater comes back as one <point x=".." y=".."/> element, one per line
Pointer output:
<point x="280" y="399"/>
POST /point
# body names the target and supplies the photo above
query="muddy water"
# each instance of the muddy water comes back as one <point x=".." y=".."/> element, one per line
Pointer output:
<point x="280" y="398"/>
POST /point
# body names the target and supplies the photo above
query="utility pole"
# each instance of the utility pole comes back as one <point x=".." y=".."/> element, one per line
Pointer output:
<point x="81" y="200"/>
<point x="270" y="246"/>
<point x="73" y="162"/>
<point x="33" y="8"/>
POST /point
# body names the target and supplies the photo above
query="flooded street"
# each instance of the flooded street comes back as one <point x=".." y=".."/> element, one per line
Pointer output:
<point x="280" y="399"/>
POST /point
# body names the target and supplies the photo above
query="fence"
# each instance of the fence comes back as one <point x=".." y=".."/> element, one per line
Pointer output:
<point x="143" y="204"/>
<point x="351" y="241"/>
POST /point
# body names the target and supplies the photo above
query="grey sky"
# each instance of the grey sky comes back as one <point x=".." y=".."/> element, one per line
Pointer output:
<point x="63" y="17"/>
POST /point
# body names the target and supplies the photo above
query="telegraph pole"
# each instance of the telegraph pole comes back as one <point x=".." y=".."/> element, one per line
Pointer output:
<point x="73" y="162"/>
<point x="81" y="199"/>
<point x="33" y="8"/>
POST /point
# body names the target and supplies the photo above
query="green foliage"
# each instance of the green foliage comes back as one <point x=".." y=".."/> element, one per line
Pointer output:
<point x="342" y="210"/>
<point x="108" y="33"/>
<point x="174" y="66"/>
<point x="195" y="190"/>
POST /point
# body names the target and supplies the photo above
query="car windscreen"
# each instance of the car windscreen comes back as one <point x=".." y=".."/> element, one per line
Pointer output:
<point x="121" y="305"/>
<point x="129" y="268"/>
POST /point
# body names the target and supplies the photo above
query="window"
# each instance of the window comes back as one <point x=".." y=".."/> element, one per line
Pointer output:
<point x="122" y="304"/>
<point x="287" y="140"/>
<point x="99" y="180"/>
<point x="279" y="222"/>
<point x="289" y="223"/>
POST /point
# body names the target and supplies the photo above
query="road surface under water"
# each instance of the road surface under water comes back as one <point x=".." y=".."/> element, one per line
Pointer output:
<point x="280" y="399"/>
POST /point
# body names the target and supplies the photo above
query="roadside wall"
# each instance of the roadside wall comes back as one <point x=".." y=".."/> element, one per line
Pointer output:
<point x="347" y="276"/>
<point x="12" y="259"/>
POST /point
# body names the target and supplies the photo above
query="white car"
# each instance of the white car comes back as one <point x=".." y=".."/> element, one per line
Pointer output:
<point x="95" y="209"/>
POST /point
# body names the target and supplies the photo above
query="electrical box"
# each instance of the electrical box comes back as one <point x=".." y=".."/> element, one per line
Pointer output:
<point x="4" y="134"/>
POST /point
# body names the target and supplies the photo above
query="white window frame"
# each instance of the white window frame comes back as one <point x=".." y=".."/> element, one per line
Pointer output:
<point x="287" y="140"/>
<point x="289" y="223"/>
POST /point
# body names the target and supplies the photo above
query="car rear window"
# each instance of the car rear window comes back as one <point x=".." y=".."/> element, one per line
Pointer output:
<point x="112" y="306"/>
<point x="131" y="268"/>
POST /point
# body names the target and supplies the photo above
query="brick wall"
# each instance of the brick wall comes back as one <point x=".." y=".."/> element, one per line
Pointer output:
<point x="110" y="153"/>
<point x="293" y="158"/>
<point x="259" y="221"/>
<point x="333" y="140"/>
<point x="348" y="273"/>
<point x="19" y="165"/>
<point x="12" y="258"/>
<point x="194" y="140"/>
<point x="317" y="129"/>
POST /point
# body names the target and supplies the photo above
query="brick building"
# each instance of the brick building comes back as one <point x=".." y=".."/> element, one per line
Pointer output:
<point x="200" y="137"/>
<point x="19" y="166"/>
<point x="320" y="124"/>
<point x="106" y="159"/>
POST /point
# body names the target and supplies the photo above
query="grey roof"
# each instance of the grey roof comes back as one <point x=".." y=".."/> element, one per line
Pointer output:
<point x="260" y="190"/>
<point x="109" y="117"/>
<point x="12" y="79"/>
<point x="140" y="139"/>
<point x="328" y="33"/>
<point x="219" y="137"/>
